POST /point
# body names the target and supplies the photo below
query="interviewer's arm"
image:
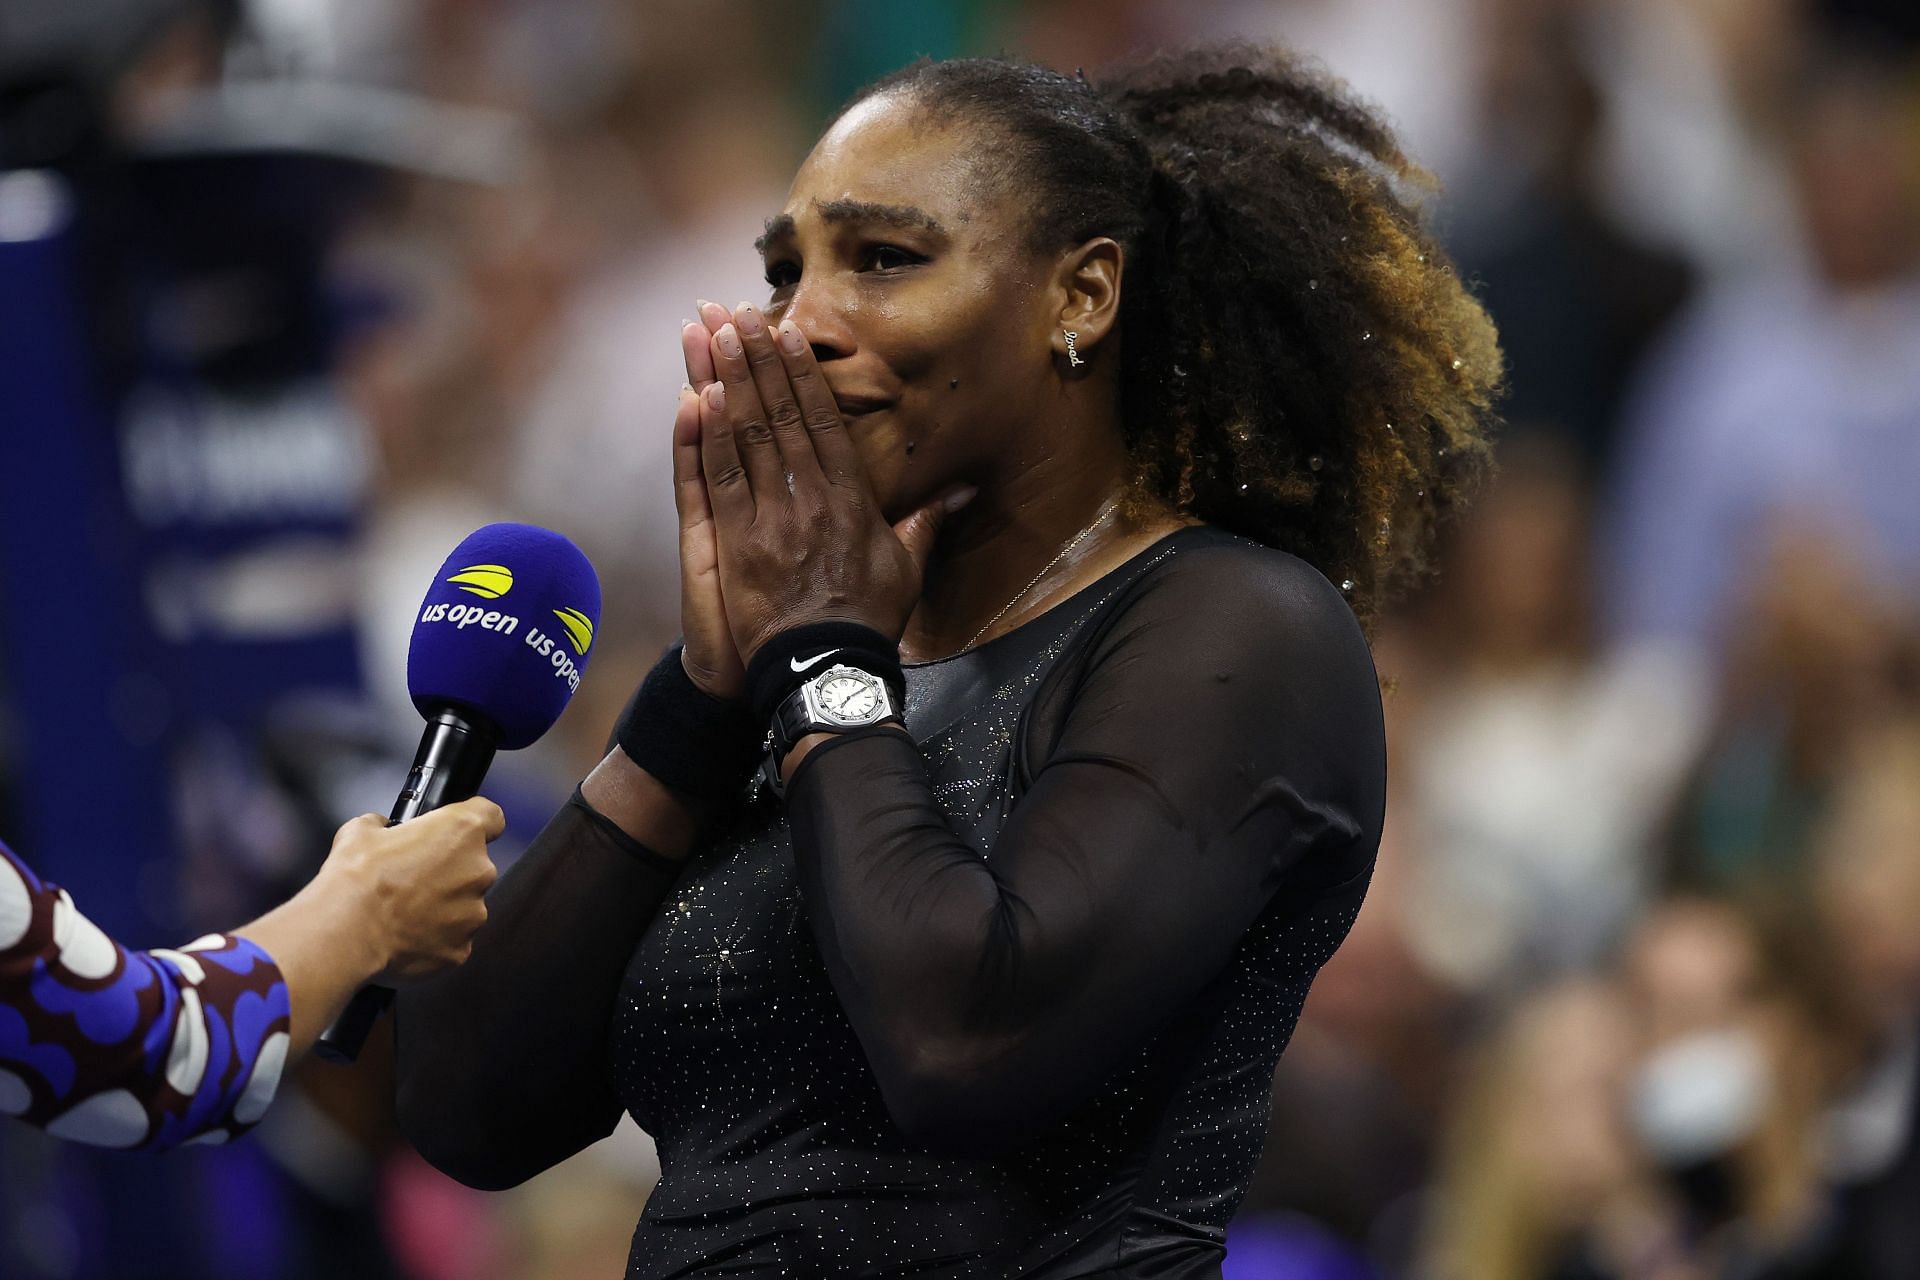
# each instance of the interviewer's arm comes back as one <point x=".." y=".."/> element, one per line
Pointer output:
<point x="120" y="1048"/>
<point x="124" y="1048"/>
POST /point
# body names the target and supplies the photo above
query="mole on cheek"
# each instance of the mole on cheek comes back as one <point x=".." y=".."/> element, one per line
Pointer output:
<point x="910" y="445"/>
<point x="953" y="385"/>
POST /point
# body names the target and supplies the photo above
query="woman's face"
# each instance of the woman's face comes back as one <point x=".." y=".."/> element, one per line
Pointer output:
<point x="927" y="312"/>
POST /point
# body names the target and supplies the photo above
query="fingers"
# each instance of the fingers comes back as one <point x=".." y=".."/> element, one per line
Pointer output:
<point x="767" y="366"/>
<point x="827" y="436"/>
<point x="696" y="338"/>
<point x="689" y="486"/>
<point x="709" y="656"/>
<point x="720" y="465"/>
<point x="697" y="351"/>
<point x="918" y="531"/>
<point x="478" y="814"/>
<point x="491" y="819"/>
<point x="360" y="828"/>
<point x="422" y="884"/>
<point x="748" y="435"/>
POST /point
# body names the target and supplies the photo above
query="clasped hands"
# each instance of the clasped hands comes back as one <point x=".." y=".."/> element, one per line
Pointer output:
<point x="779" y="524"/>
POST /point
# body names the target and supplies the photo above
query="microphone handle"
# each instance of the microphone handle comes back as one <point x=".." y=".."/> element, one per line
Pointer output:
<point x="455" y="752"/>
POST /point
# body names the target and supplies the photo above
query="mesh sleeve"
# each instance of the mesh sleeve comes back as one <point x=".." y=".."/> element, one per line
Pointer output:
<point x="502" y="1061"/>
<point x="1220" y="744"/>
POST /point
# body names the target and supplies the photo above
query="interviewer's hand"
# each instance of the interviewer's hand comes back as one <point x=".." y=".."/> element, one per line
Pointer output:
<point x="419" y="885"/>
<point x="389" y="905"/>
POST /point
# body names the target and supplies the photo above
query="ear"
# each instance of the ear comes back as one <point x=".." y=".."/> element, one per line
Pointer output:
<point x="1088" y="283"/>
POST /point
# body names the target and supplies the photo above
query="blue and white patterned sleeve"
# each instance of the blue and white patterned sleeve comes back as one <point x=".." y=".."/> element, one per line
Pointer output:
<point x="126" y="1048"/>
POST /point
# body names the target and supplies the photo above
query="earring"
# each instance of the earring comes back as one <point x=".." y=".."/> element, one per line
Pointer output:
<point x="1073" y="356"/>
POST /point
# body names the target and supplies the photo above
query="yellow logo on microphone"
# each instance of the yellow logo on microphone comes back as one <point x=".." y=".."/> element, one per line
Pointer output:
<point x="488" y="581"/>
<point x="579" y="629"/>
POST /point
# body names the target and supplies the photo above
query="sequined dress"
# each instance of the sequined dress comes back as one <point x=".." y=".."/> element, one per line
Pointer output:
<point x="1006" y="998"/>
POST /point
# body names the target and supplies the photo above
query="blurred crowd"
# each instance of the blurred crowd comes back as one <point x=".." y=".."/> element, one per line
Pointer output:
<point x="1636" y="994"/>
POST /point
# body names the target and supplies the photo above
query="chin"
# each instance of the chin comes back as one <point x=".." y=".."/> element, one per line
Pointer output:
<point x="900" y="481"/>
<point x="884" y="457"/>
<point x="894" y="505"/>
<point x="898" y="498"/>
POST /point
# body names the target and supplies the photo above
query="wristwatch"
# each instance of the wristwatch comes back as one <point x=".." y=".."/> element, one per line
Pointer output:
<point x="837" y="699"/>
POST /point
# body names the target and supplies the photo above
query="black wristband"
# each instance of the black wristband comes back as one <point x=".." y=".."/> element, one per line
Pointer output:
<point x="695" y="743"/>
<point x="797" y="654"/>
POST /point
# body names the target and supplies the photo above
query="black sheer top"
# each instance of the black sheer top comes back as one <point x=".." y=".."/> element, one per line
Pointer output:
<point x="1003" y="997"/>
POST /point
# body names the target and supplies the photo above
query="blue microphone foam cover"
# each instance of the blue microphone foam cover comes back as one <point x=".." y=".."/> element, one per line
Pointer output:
<point x="506" y="630"/>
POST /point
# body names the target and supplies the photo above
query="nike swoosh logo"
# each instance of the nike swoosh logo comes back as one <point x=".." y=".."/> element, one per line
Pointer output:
<point x="798" y="665"/>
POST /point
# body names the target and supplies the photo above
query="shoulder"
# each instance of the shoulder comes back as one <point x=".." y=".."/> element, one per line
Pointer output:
<point x="1234" y="591"/>
<point x="1209" y="553"/>
<point x="1221" y="616"/>
<point x="1221" y="641"/>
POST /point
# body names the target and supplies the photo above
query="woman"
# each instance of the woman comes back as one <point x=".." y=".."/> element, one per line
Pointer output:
<point x="1033" y="515"/>
<point x="1541" y="1177"/>
<point x="157" y="1048"/>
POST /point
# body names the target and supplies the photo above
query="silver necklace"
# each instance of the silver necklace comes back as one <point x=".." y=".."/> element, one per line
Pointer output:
<point x="1045" y="569"/>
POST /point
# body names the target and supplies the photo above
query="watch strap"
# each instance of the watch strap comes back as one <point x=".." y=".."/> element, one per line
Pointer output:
<point x="794" y="719"/>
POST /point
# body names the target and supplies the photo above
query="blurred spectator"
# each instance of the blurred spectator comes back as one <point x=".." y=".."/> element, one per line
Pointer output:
<point x="1724" y="1098"/>
<point x="1421" y="60"/>
<point x="77" y="81"/>
<point x="588" y="449"/>
<point x="1577" y="297"/>
<point x="1867" y="895"/>
<point x="1686" y="159"/>
<point x="1539" y="764"/>
<point x="1656" y="1128"/>
<point x="712" y="169"/>
<point x="1542" y="1180"/>
<point x="1820" y="657"/>
<point x="1791" y="397"/>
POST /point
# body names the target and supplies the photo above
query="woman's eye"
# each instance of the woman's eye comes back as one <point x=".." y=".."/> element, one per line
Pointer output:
<point x="782" y="275"/>
<point x="889" y="257"/>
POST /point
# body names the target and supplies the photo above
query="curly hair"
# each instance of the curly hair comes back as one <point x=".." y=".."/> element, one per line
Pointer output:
<point x="1300" y="363"/>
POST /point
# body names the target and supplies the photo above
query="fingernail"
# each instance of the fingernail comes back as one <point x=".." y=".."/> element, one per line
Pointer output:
<point x="960" y="498"/>
<point x="749" y="319"/>
<point x="790" y="339"/>
<point x="716" y="396"/>
<point x="727" y="340"/>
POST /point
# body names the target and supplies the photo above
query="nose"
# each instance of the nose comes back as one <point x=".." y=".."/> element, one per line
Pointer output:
<point x="822" y="314"/>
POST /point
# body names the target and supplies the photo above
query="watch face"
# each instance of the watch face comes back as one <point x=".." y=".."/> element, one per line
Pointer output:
<point x="852" y="697"/>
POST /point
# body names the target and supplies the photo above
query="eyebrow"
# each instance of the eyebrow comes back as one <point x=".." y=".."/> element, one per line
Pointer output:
<point x="842" y="211"/>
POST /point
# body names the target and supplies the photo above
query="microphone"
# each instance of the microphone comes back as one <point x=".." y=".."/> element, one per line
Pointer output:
<point x="498" y="649"/>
